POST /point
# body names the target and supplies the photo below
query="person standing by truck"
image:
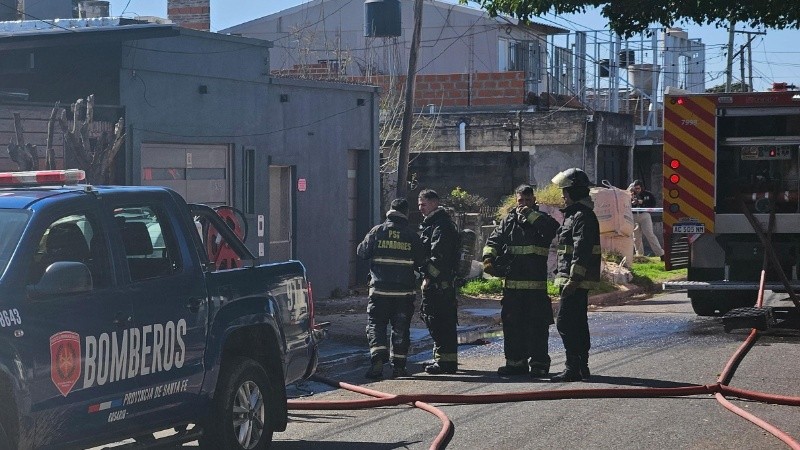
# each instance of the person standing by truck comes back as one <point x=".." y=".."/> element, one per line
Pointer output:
<point x="395" y="251"/>
<point x="517" y="251"/>
<point x="439" y="310"/>
<point x="578" y="271"/>
<point x="643" y="222"/>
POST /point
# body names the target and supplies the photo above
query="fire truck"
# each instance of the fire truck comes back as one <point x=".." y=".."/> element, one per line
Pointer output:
<point x="731" y="171"/>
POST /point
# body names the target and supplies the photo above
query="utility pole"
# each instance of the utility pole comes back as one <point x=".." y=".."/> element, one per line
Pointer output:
<point x="729" y="66"/>
<point x="741" y="69"/>
<point x="750" y="36"/>
<point x="405" y="132"/>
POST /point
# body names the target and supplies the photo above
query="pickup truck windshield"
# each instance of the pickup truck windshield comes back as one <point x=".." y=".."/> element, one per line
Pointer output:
<point x="12" y="222"/>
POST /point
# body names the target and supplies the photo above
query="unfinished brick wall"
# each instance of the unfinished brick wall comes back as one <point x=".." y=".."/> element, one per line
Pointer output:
<point x="447" y="90"/>
<point x="194" y="14"/>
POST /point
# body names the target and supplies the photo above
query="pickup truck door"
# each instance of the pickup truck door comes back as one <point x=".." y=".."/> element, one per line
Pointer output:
<point x="166" y="287"/>
<point x="80" y="374"/>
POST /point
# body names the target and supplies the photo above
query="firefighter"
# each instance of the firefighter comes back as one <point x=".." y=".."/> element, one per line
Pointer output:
<point x="578" y="271"/>
<point x="517" y="250"/>
<point x="440" y="239"/>
<point x="395" y="250"/>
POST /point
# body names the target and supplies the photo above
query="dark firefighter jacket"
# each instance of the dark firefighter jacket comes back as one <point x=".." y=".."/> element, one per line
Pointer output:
<point x="395" y="251"/>
<point x="519" y="247"/>
<point x="579" y="246"/>
<point x="441" y="241"/>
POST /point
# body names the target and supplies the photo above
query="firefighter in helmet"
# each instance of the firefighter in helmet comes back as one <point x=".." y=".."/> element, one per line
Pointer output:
<point x="517" y="251"/>
<point x="394" y="251"/>
<point x="578" y="271"/>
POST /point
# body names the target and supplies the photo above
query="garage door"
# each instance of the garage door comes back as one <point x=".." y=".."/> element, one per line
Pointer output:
<point x="200" y="173"/>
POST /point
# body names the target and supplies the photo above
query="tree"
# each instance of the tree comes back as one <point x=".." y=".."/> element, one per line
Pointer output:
<point x="735" y="87"/>
<point x="95" y="154"/>
<point x="628" y="17"/>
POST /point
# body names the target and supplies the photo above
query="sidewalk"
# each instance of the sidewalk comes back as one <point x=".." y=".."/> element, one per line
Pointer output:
<point x="345" y="347"/>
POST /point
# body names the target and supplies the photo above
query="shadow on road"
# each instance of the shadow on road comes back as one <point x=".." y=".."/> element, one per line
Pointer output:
<point x="322" y="445"/>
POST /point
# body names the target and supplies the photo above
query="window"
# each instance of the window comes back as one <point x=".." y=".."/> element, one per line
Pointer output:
<point x="150" y="247"/>
<point x="77" y="238"/>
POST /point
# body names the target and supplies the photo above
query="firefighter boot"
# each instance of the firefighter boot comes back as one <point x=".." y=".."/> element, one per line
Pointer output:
<point x="439" y="368"/>
<point x="585" y="373"/>
<point x="572" y="372"/>
<point x="513" y="368"/>
<point x="399" y="371"/>
<point x="539" y="369"/>
<point x="375" y="371"/>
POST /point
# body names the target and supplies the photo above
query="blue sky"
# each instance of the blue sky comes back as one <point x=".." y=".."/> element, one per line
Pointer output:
<point x="776" y="56"/>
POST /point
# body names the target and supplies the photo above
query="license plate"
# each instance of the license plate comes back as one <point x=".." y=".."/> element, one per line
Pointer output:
<point x="694" y="228"/>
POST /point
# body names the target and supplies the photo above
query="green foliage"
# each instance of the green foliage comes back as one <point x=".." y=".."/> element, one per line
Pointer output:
<point x="612" y="256"/>
<point x="481" y="286"/>
<point x="549" y="195"/>
<point x="628" y="17"/>
<point x="735" y="87"/>
<point x="649" y="273"/>
<point x="462" y="201"/>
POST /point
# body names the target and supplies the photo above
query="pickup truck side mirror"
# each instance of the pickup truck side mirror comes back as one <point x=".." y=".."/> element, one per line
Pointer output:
<point x="63" y="277"/>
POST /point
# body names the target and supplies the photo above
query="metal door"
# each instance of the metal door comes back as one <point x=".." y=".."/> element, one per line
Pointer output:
<point x="612" y="166"/>
<point x="199" y="172"/>
<point x="281" y="207"/>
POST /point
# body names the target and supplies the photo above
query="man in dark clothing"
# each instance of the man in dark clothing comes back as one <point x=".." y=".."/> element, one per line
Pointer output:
<point x="578" y="271"/>
<point x="440" y="239"/>
<point x="517" y="250"/>
<point x="395" y="251"/>
<point x="643" y="222"/>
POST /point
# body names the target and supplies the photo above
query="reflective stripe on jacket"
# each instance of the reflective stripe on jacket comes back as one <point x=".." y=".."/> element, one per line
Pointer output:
<point x="579" y="252"/>
<point x="395" y="251"/>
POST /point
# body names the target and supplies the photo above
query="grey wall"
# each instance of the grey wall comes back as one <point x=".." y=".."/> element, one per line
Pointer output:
<point x="313" y="131"/>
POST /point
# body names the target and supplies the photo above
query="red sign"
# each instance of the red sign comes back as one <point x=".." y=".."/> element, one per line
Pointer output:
<point x="65" y="360"/>
<point x="301" y="185"/>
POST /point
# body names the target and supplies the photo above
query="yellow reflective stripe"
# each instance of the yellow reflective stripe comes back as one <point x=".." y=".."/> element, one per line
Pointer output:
<point x="524" y="284"/>
<point x="489" y="251"/>
<point x="377" y="349"/>
<point x="568" y="250"/>
<point x="398" y="356"/>
<point x="585" y="284"/>
<point x="533" y="216"/>
<point x="447" y="357"/>
<point x="373" y="291"/>
<point x="395" y="261"/>
<point x="433" y="271"/>
<point x="578" y="270"/>
<point x="527" y="250"/>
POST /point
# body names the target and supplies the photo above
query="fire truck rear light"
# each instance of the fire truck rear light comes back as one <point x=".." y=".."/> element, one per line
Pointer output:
<point x="680" y="101"/>
<point x="673" y="193"/>
<point x="42" y="177"/>
<point x="674" y="208"/>
<point x="674" y="164"/>
<point x="674" y="178"/>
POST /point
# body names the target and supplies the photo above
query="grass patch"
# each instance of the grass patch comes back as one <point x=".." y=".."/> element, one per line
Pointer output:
<point x="649" y="273"/>
<point x="494" y="286"/>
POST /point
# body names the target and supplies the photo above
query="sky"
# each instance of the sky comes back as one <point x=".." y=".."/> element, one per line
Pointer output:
<point x="776" y="55"/>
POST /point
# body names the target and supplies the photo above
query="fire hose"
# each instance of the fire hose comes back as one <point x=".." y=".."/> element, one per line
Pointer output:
<point x="720" y="389"/>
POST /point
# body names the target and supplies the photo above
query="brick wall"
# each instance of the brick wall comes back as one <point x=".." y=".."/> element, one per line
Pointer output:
<point x="194" y="14"/>
<point x="446" y="90"/>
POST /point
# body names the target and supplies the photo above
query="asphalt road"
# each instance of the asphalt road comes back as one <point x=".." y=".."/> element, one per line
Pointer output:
<point x="657" y="342"/>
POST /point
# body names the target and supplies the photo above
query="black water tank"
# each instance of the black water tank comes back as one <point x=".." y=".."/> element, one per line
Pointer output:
<point x="8" y="10"/>
<point x="382" y="18"/>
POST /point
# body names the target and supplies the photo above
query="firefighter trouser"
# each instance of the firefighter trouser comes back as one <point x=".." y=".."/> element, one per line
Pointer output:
<point x="439" y="312"/>
<point x="381" y="311"/>
<point x="527" y="315"/>
<point x="573" y="323"/>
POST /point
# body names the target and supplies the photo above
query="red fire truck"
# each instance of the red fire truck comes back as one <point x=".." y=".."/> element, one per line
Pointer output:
<point x="731" y="166"/>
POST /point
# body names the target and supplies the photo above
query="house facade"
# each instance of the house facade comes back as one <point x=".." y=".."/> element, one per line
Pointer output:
<point x="203" y="116"/>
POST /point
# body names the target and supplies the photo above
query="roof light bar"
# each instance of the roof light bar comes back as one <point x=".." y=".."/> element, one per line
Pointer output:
<point x="42" y="177"/>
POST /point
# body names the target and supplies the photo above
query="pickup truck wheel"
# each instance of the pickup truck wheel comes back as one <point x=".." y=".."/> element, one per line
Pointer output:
<point x="241" y="418"/>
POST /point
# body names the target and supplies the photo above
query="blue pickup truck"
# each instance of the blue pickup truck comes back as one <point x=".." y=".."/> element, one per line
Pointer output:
<point x="115" y="323"/>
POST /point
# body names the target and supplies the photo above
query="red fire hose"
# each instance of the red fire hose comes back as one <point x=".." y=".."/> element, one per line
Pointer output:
<point x="720" y="389"/>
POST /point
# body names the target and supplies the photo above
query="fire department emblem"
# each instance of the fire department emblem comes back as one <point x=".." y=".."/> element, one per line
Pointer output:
<point x="65" y="360"/>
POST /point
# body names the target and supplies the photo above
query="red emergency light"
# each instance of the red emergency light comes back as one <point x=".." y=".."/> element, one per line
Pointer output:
<point x="674" y="164"/>
<point x="674" y="178"/>
<point x="42" y="177"/>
